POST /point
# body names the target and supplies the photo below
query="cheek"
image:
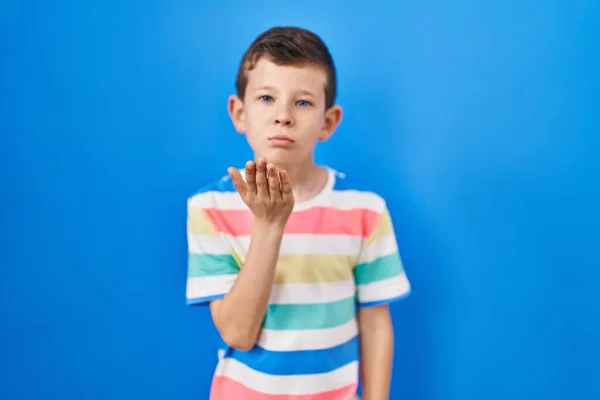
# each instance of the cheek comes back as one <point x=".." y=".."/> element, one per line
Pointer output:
<point x="255" y="116"/>
<point x="313" y="121"/>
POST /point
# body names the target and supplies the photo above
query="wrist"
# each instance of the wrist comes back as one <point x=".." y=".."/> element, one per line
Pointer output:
<point x="268" y="229"/>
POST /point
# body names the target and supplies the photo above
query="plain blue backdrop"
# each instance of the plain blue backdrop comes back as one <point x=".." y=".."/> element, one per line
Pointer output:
<point x="478" y="121"/>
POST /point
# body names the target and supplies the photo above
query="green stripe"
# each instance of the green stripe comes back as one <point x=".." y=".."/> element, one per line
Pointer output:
<point x="310" y="316"/>
<point x="381" y="268"/>
<point x="211" y="265"/>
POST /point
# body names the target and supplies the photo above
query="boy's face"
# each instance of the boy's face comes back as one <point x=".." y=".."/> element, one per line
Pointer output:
<point x="283" y="112"/>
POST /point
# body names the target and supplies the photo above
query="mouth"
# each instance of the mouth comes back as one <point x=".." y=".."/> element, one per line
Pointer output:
<point x="281" y="140"/>
<point x="281" y="137"/>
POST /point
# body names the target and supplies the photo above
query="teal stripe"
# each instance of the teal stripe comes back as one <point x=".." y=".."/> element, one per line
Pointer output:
<point x="211" y="265"/>
<point x="381" y="268"/>
<point x="310" y="316"/>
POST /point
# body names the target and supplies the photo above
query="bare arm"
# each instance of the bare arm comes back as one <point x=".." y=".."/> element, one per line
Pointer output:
<point x="376" y="351"/>
<point x="239" y="315"/>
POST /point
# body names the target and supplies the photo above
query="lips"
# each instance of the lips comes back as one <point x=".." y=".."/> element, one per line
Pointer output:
<point x="281" y="137"/>
<point x="281" y="141"/>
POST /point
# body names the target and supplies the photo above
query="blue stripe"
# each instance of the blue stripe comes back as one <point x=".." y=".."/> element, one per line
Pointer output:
<point x="382" y="302"/>
<point x="204" y="300"/>
<point x="298" y="362"/>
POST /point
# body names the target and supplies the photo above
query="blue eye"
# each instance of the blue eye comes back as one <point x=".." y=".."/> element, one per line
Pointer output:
<point x="265" y="98"/>
<point x="303" y="103"/>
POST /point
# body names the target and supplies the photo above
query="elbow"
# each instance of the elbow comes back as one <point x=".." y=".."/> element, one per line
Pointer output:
<point x="239" y="340"/>
<point x="243" y="346"/>
<point x="238" y="335"/>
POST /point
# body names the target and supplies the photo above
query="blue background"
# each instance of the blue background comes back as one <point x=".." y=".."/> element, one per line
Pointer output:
<point x="478" y="121"/>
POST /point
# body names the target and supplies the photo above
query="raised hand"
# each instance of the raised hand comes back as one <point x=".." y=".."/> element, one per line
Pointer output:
<point x="266" y="191"/>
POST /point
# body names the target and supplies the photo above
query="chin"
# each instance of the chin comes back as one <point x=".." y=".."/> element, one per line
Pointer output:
<point x="280" y="156"/>
<point x="279" y="160"/>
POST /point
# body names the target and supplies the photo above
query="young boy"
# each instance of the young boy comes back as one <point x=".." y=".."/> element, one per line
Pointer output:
<point x="292" y="257"/>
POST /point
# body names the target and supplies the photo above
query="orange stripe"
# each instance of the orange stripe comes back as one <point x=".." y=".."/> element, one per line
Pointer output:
<point x="224" y="388"/>
<point x="316" y="220"/>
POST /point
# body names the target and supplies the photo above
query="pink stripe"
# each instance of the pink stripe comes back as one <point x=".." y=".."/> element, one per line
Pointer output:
<point x="224" y="388"/>
<point x="354" y="222"/>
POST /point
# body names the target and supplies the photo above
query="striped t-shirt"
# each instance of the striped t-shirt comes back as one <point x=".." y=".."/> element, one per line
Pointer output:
<point x="338" y="253"/>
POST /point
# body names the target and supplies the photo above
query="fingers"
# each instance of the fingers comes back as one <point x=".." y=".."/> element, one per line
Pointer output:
<point x="251" y="177"/>
<point x="273" y="178"/>
<point x="262" y="183"/>
<point x="238" y="181"/>
<point x="286" y="187"/>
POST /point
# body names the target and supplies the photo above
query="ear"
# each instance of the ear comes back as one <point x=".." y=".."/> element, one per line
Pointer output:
<point x="333" y="117"/>
<point x="235" y="107"/>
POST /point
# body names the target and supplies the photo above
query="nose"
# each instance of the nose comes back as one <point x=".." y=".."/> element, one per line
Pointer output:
<point x="284" y="117"/>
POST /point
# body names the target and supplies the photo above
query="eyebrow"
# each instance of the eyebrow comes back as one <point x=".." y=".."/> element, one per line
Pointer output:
<point x="302" y="91"/>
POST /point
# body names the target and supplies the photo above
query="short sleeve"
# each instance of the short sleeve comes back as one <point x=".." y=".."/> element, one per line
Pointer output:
<point x="212" y="267"/>
<point x="379" y="275"/>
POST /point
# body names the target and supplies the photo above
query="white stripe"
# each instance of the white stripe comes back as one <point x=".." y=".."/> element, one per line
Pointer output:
<point x="384" y="289"/>
<point x="209" y="285"/>
<point x="384" y="246"/>
<point x="291" y="244"/>
<point x="339" y="199"/>
<point x="310" y="339"/>
<point x="208" y="244"/>
<point x="351" y="199"/>
<point x="307" y="293"/>
<point x="218" y="200"/>
<point x="287" y="384"/>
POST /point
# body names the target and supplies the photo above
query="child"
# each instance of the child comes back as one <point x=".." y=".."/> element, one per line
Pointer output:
<point x="293" y="258"/>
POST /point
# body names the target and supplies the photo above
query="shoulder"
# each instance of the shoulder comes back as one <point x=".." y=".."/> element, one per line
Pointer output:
<point x="352" y="193"/>
<point x="219" y="193"/>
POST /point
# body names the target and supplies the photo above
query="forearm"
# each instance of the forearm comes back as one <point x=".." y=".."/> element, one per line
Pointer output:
<point x="239" y="315"/>
<point x="376" y="350"/>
